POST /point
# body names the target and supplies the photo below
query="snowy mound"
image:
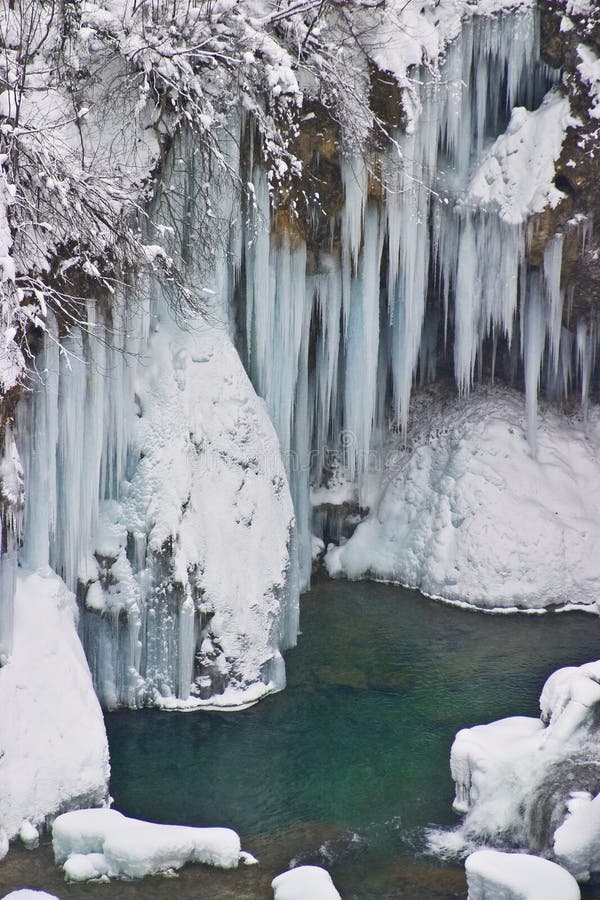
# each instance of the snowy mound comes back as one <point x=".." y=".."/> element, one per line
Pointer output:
<point x="577" y="840"/>
<point x="96" y="844"/>
<point x="510" y="774"/>
<point x="516" y="176"/>
<point x="305" y="882"/>
<point x="27" y="894"/>
<point x="467" y="514"/>
<point x="54" y="748"/>
<point x="517" y="876"/>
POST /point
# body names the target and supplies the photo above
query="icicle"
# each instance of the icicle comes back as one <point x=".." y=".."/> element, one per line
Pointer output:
<point x="362" y="347"/>
<point x="552" y="273"/>
<point x="38" y="438"/>
<point x="535" y="336"/>
<point x="11" y="527"/>
<point x="584" y="344"/>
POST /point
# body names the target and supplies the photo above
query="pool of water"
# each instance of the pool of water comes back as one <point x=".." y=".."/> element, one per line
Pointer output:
<point x="349" y="765"/>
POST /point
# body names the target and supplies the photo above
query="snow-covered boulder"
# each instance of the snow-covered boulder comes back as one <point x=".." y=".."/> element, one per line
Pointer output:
<point x="577" y="840"/>
<point x="303" y="883"/>
<point x="466" y="513"/>
<point x="29" y="835"/>
<point x="208" y="508"/>
<point x="101" y="843"/>
<point x="492" y="875"/>
<point x="505" y="770"/>
<point x="28" y="894"/>
<point x="52" y="737"/>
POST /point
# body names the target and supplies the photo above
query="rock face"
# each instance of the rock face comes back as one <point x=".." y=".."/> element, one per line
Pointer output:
<point x="571" y="40"/>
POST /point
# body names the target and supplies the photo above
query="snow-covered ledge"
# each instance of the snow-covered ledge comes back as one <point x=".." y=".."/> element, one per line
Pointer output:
<point x="53" y="747"/>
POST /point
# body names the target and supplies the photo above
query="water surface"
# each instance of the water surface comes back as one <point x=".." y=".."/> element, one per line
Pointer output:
<point x="348" y="766"/>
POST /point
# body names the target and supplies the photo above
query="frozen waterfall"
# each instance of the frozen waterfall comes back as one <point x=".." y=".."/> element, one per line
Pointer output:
<point x="428" y="265"/>
<point x="155" y="484"/>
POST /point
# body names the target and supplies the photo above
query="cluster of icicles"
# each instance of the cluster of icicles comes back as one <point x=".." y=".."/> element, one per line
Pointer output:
<point x="334" y="349"/>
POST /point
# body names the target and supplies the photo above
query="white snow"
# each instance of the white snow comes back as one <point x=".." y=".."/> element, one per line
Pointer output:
<point x="210" y="486"/>
<point x="303" y="883"/>
<point x="467" y="514"/>
<point x="98" y="843"/>
<point x="28" y="894"/>
<point x="515" y="177"/>
<point x="589" y="69"/>
<point x="29" y="835"/>
<point x="52" y="737"/>
<point x="577" y="839"/>
<point x="492" y="875"/>
<point x="502" y="770"/>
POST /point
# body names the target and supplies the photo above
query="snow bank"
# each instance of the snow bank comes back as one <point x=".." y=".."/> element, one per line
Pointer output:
<point x="304" y="882"/>
<point x="100" y="843"/>
<point x="577" y="840"/>
<point x="55" y="753"/>
<point x="507" y="771"/>
<point x="465" y="513"/>
<point x="492" y="875"/>
<point x="516" y="175"/>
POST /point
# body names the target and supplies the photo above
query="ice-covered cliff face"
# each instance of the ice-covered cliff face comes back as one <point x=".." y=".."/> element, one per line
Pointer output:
<point x="154" y="487"/>
<point x="427" y="268"/>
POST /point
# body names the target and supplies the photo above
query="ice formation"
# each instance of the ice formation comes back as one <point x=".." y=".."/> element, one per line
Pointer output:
<point x="304" y="882"/>
<point x="434" y="267"/>
<point x="466" y="513"/>
<point x="154" y="486"/>
<point x="517" y="876"/>
<point x="97" y="844"/>
<point x="167" y="512"/>
<point x="54" y="748"/>
<point x="515" y="778"/>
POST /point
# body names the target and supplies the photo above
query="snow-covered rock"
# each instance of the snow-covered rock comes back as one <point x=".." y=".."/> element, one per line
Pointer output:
<point x="303" y="883"/>
<point x="492" y="875"/>
<point x="577" y="840"/>
<point x="466" y="512"/>
<point x="28" y="894"/>
<point x="516" y="175"/>
<point x="505" y="770"/>
<point x="52" y="737"/>
<point x="100" y="843"/>
<point x="208" y="509"/>
<point x="29" y="835"/>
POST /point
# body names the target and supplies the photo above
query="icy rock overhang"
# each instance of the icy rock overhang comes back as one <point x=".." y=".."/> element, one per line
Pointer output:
<point x="172" y="520"/>
<point x="99" y="844"/>
<point x="466" y="514"/>
<point x="52" y="736"/>
<point x="517" y="876"/>
<point x="515" y="778"/>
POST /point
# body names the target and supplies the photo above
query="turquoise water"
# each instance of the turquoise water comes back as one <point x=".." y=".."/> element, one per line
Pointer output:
<point x="358" y="744"/>
<point x="349" y="764"/>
